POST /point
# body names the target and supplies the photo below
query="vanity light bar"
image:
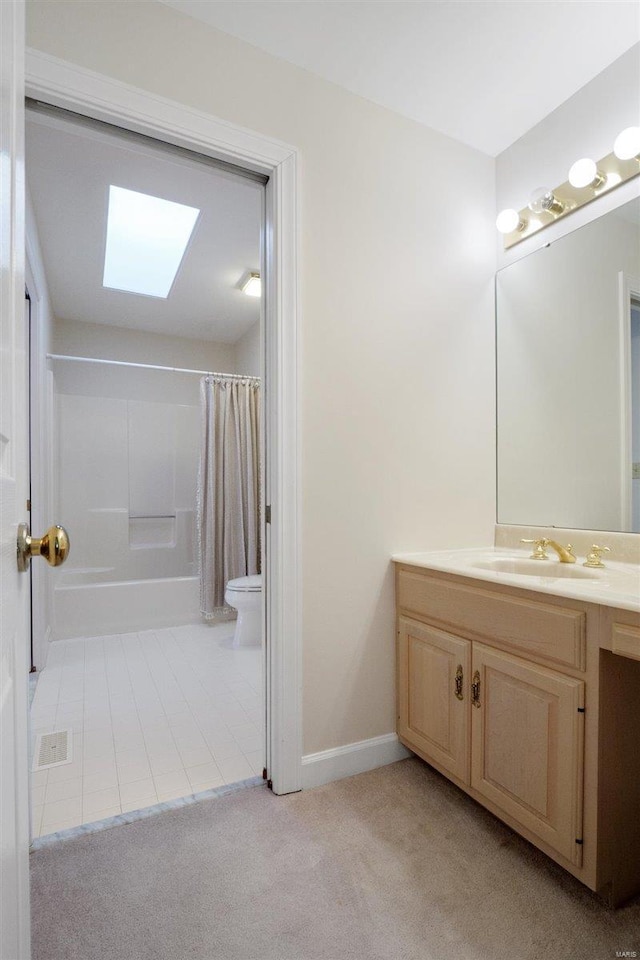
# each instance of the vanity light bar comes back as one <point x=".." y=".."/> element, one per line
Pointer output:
<point x="587" y="180"/>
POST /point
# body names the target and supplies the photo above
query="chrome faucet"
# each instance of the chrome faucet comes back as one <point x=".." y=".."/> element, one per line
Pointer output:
<point x="565" y="554"/>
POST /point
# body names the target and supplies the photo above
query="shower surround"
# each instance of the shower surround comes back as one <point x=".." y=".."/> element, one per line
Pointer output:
<point x="127" y="441"/>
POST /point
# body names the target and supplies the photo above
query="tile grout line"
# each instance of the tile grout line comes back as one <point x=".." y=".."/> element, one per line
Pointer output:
<point x="144" y="654"/>
<point x="209" y="699"/>
<point x="157" y="660"/>
<point x="128" y="656"/>
<point x="177" y="648"/>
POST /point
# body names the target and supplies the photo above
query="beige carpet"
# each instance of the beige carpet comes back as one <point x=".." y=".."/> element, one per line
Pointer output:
<point x="396" y="864"/>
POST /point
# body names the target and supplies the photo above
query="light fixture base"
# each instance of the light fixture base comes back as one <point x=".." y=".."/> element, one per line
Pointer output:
<point x="612" y="172"/>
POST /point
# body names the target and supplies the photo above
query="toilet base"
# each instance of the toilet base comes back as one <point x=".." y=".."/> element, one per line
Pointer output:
<point x="248" y="632"/>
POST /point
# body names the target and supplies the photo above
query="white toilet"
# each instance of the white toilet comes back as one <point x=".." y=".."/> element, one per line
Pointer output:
<point x="245" y="595"/>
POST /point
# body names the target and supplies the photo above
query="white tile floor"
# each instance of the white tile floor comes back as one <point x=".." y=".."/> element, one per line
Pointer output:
<point x="155" y="715"/>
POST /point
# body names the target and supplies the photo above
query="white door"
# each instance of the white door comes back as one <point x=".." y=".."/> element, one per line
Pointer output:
<point x="14" y="632"/>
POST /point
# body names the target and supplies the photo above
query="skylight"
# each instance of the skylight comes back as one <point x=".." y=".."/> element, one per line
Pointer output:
<point x="146" y="241"/>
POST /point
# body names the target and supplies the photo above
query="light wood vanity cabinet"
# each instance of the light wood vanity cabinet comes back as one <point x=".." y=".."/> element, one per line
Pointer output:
<point x="527" y="746"/>
<point x="433" y="705"/>
<point x="499" y="689"/>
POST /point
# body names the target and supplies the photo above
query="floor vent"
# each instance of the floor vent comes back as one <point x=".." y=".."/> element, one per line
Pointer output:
<point x="53" y="749"/>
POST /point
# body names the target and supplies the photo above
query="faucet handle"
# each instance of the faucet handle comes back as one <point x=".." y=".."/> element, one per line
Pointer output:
<point x="594" y="558"/>
<point x="539" y="552"/>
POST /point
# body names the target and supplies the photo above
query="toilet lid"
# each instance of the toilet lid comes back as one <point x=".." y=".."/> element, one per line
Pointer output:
<point x="252" y="584"/>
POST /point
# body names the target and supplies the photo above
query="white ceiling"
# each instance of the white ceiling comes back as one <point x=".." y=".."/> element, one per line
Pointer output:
<point x="481" y="72"/>
<point x="69" y="170"/>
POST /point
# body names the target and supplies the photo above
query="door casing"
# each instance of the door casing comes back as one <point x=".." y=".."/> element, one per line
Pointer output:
<point x="66" y="85"/>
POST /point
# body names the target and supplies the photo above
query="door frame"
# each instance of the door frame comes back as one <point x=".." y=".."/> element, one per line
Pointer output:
<point x="94" y="95"/>
<point x="628" y="291"/>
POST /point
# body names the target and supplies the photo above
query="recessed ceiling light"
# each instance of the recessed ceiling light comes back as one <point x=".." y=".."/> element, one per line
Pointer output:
<point x="146" y="241"/>
<point x="252" y="286"/>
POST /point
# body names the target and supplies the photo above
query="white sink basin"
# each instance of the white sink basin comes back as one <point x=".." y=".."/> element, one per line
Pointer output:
<point x="526" y="567"/>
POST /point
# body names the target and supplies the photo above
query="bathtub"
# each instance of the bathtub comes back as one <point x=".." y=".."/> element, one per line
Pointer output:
<point x="83" y="607"/>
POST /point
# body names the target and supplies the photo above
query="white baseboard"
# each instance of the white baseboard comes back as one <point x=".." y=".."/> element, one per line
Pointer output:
<point x="328" y="765"/>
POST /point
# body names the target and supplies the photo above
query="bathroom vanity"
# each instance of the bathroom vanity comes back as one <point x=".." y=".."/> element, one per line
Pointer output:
<point x="524" y="690"/>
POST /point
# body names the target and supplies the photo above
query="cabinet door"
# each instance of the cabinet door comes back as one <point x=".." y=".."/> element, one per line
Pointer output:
<point x="527" y="746"/>
<point x="433" y="695"/>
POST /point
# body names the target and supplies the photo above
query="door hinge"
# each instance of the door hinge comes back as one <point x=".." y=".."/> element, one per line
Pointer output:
<point x="581" y="709"/>
<point x="264" y="773"/>
<point x="29" y="505"/>
<point x="267" y="514"/>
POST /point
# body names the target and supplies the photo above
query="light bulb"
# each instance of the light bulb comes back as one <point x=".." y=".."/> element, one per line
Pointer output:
<point x="543" y="201"/>
<point x="509" y="220"/>
<point x="627" y="145"/>
<point x="584" y="173"/>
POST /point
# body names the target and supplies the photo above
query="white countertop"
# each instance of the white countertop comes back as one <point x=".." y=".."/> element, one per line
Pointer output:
<point x="615" y="585"/>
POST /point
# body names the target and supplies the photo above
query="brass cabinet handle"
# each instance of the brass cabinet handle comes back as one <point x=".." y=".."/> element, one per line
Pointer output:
<point x="458" y="682"/>
<point x="54" y="546"/>
<point x="475" y="689"/>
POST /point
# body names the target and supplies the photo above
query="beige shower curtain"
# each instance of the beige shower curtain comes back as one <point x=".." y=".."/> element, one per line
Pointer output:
<point x="228" y="503"/>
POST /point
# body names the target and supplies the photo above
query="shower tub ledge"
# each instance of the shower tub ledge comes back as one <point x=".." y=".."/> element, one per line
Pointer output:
<point x="84" y="609"/>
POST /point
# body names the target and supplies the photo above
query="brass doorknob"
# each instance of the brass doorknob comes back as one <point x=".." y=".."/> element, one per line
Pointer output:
<point x="54" y="546"/>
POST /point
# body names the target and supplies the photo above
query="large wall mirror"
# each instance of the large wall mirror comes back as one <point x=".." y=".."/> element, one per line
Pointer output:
<point x="568" y="379"/>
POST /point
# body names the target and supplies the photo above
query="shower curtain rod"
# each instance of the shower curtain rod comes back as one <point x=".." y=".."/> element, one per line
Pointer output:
<point x="152" y="366"/>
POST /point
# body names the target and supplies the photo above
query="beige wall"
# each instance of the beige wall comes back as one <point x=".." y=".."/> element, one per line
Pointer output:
<point x="79" y="339"/>
<point x="397" y="259"/>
